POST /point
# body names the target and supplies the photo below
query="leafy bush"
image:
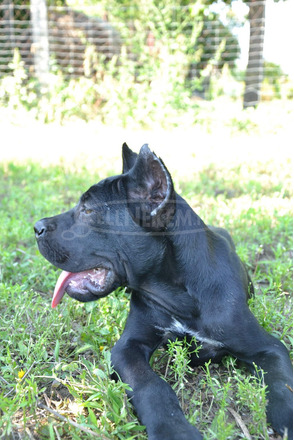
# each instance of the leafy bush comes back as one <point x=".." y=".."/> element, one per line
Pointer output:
<point x="149" y="81"/>
<point x="119" y="93"/>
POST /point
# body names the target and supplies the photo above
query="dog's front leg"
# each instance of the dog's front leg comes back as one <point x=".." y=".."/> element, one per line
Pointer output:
<point x="155" y="402"/>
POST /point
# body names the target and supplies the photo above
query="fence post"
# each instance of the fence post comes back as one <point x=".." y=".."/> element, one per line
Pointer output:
<point x="40" y="46"/>
<point x="254" y="72"/>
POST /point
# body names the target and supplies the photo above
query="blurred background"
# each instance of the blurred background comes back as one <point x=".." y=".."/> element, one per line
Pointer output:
<point x="143" y="63"/>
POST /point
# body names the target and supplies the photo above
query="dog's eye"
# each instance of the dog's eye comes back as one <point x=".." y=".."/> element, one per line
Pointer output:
<point x="87" y="210"/>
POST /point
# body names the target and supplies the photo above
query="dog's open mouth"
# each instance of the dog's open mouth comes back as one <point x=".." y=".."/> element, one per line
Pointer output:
<point x="82" y="284"/>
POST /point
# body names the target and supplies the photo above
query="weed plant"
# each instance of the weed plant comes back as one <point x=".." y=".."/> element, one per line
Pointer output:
<point x="142" y="93"/>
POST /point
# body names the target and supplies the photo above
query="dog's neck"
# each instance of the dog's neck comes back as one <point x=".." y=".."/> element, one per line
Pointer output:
<point x="186" y="234"/>
<point x="189" y="234"/>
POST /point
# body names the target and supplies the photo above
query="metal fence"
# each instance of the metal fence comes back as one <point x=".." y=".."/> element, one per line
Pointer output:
<point x="58" y="37"/>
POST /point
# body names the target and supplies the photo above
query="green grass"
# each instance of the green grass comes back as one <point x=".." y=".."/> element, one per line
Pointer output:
<point x="55" y="364"/>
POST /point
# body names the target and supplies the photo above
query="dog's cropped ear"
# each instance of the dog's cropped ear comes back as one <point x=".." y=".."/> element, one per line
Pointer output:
<point x="128" y="157"/>
<point x="150" y="191"/>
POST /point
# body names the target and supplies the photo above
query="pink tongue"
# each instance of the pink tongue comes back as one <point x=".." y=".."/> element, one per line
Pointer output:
<point x="60" y="288"/>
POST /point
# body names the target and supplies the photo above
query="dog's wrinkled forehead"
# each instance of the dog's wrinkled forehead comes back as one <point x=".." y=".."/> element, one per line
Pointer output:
<point x="102" y="191"/>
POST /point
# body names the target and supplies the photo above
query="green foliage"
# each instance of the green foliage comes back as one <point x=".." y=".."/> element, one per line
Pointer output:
<point x="179" y="352"/>
<point x="145" y="96"/>
<point x="151" y="80"/>
<point x="249" y="396"/>
<point x="14" y="92"/>
<point x="276" y="84"/>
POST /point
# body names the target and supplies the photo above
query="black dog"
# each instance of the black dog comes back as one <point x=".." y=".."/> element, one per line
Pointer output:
<point x="186" y="280"/>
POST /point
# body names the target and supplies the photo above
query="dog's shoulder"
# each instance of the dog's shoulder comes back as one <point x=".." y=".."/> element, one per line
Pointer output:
<point x="224" y="234"/>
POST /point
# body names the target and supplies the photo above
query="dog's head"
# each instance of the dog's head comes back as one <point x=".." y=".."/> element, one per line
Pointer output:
<point x="111" y="231"/>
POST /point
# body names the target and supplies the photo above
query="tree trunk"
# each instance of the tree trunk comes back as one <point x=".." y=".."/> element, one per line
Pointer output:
<point x="254" y="72"/>
<point x="40" y="46"/>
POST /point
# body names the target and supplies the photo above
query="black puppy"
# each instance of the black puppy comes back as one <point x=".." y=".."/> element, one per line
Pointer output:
<point x="186" y="280"/>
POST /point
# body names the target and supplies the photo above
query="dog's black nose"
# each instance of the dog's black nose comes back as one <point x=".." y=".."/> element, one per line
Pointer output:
<point x="40" y="228"/>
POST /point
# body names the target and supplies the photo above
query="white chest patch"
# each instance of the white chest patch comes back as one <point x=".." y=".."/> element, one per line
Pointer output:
<point x="178" y="328"/>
